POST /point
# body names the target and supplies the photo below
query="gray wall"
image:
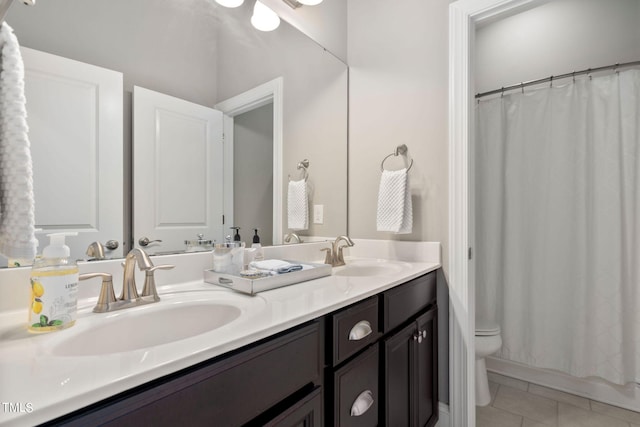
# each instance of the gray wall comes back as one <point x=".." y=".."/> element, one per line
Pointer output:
<point x="253" y="173"/>
<point x="398" y="94"/>
<point x="555" y="38"/>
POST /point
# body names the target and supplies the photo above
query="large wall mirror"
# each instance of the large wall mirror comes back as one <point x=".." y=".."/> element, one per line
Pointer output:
<point x="203" y="53"/>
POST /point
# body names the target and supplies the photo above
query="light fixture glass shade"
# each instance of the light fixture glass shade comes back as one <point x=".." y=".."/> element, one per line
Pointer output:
<point x="264" y="19"/>
<point x="310" y="2"/>
<point x="230" y="3"/>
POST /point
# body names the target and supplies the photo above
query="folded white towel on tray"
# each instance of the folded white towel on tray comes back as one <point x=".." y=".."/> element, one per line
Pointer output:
<point x="298" y="205"/>
<point x="17" y="210"/>
<point x="276" y="266"/>
<point x="394" y="202"/>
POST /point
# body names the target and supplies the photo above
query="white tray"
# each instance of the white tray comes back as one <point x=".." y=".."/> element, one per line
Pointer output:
<point x="252" y="286"/>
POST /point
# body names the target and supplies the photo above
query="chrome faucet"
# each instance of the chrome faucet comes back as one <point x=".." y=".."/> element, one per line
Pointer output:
<point x="334" y="255"/>
<point x="289" y="236"/>
<point x="129" y="297"/>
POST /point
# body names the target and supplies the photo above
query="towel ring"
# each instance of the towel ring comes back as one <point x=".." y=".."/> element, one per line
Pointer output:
<point x="303" y="165"/>
<point x="400" y="150"/>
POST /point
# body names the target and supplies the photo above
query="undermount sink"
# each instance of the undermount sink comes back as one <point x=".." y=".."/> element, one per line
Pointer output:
<point x="370" y="268"/>
<point x="148" y="326"/>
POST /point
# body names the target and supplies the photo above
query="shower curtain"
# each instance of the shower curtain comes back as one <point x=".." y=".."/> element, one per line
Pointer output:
<point x="557" y="199"/>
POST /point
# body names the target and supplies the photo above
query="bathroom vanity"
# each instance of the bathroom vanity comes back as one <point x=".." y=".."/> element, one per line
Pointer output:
<point x="357" y="348"/>
<point x="371" y="363"/>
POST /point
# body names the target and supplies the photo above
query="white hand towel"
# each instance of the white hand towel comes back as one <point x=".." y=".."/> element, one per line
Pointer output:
<point x="17" y="217"/>
<point x="394" y="202"/>
<point x="298" y="205"/>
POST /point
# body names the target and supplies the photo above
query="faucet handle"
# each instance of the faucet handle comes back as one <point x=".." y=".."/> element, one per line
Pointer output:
<point x="107" y="295"/>
<point x="149" y="288"/>
<point x="328" y="257"/>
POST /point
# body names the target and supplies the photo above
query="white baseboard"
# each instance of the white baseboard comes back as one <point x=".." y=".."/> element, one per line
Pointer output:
<point x="627" y="397"/>
<point x="443" y="417"/>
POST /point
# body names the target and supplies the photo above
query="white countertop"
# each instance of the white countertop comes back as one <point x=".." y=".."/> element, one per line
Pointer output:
<point x="42" y="385"/>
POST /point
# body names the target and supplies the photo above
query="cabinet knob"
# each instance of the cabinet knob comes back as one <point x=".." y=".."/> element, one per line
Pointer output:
<point x="418" y="337"/>
<point x="360" y="330"/>
<point x="362" y="403"/>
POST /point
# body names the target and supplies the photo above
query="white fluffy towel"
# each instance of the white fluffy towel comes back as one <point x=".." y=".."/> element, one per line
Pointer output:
<point x="298" y="205"/>
<point x="17" y="217"/>
<point x="394" y="202"/>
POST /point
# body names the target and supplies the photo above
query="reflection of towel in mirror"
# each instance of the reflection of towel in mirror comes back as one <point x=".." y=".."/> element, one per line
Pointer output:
<point x="394" y="202"/>
<point x="298" y="205"/>
<point x="17" y="239"/>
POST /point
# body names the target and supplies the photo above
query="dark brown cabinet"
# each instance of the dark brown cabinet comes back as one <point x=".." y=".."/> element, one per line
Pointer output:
<point x="401" y="341"/>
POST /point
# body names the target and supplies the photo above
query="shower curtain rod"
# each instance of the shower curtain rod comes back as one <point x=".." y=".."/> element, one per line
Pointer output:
<point x="552" y="78"/>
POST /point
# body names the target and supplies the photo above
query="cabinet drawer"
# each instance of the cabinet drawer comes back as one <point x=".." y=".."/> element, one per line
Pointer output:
<point x="354" y="329"/>
<point x="305" y="413"/>
<point x="404" y="301"/>
<point x="356" y="391"/>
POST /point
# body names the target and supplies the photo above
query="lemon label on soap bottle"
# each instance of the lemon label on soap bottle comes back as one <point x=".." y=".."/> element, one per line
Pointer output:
<point x="53" y="299"/>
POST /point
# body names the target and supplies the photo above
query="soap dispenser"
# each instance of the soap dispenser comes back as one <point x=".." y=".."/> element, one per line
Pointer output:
<point x="236" y="237"/>
<point x="54" y="287"/>
<point x="259" y="255"/>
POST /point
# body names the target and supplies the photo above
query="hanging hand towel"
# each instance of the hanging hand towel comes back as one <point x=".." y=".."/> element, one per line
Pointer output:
<point x="17" y="218"/>
<point x="298" y="205"/>
<point x="394" y="202"/>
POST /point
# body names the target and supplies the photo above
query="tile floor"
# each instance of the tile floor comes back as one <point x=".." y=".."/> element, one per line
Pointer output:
<point x="516" y="403"/>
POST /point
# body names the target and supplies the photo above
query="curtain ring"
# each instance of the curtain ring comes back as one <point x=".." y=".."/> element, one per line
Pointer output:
<point x="574" y="76"/>
<point x="615" y="68"/>
<point x="522" y="87"/>
<point x="589" y="73"/>
<point x="551" y="81"/>
<point x="502" y="93"/>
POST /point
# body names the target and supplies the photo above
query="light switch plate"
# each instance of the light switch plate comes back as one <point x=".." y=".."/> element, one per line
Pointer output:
<point x="318" y="214"/>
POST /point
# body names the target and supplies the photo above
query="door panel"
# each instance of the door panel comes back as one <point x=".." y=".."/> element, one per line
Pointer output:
<point x="177" y="172"/>
<point x="75" y="128"/>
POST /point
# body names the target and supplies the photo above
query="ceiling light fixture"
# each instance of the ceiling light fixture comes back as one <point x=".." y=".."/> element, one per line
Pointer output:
<point x="230" y="3"/>
<point x="310" y="2"/>
<point x="264" y="19"/>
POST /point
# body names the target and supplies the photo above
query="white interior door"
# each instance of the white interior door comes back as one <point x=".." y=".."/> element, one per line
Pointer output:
<point x="177" y="171"/>
<point x="75" y="128"/>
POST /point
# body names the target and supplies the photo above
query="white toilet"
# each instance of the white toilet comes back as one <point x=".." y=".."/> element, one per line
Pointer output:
<point x="487" y="341"/>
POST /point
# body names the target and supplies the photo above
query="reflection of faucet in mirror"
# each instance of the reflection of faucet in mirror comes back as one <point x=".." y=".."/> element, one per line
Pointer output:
<point x="292" y="236"/>
<point x="334" y="255"/>
<point x="129" y="297"/>
<point x="95" y="251"/>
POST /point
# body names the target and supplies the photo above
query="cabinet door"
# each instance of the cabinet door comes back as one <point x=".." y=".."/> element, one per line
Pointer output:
<point x="426" y="399"/>
<point x="398" y="369"/>
<point x="356" y="391"/>
<point x="306" y="413"/>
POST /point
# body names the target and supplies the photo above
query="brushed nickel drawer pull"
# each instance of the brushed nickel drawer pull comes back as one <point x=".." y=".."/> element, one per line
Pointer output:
<point x="360" y="330"/>
<point x="362" y="403"/>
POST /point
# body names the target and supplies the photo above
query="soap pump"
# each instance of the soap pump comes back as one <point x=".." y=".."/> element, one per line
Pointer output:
<point x="54" y="287"/>
<point x="257" y="246"/>
<point x="236" y="237"/>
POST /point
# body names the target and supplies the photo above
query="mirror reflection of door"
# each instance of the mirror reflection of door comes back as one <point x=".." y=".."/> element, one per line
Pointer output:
<point x="253" y="173"/>
<point x="178" y="172"/>
<point x="74" y="113"/>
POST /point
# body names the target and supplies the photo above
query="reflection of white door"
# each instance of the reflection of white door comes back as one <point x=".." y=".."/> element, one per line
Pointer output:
<point x="75" y="128"/>
<point x="177" y="171"/>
